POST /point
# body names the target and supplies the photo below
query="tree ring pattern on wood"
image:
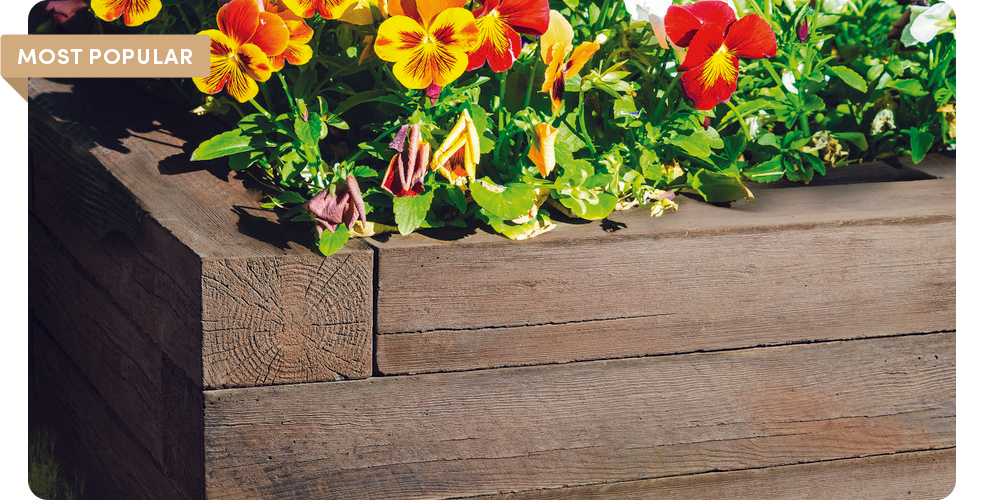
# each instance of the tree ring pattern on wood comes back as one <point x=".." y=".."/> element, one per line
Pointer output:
<point x="286" y="320"/>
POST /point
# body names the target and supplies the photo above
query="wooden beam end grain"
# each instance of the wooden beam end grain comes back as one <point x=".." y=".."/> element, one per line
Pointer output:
<point x="280" y="320"/>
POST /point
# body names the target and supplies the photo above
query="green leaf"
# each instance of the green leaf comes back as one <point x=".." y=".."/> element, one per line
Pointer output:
<point x="850" y="77"/>
<point x="856" y="138"/>
<point x="224" y="144"/>
<point x="919" y="143"/>
<point x="507" y="202"/>
<point x="330" y="242"/>
<point x="410" y="211"/>
<point x="767" y="171"/>
<point x="717" y="187"/>
<point x="244" y="159"/>
<point x="257" y="123"/>
<point x="695" y="144"/>
<point x="908" y="86"/>
<point x="588" y="205"/>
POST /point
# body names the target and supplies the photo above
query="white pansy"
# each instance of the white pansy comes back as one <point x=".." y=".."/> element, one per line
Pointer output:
<point x="926" y="23"/>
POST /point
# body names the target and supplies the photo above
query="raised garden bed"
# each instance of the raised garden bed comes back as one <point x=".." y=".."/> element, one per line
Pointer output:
<point x="185" y="345"/>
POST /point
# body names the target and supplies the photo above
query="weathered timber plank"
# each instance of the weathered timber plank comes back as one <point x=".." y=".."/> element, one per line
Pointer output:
<point x="919" y="475"/>
<point x="103" y="341"/>
<point x="94" y="439"/>
<point x="795" y="265"/>
<point x="515" y="429"/>
<point x="182" y="250"/>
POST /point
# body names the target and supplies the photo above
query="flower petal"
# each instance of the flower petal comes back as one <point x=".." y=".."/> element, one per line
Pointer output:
<point x="239" y="19"/>
<point x="271" y="34"/>
<point x="580" y="57"/>
<point x="707" y="41"/>
<point x="498" y="44"/>
<point x="558" y="31"/>
<point x="221" y="65"/>
<point x="332" y="9"/>
<point x="683" y="22"/>
<point x="530" y="17"/>
<point x="751" y="37"/>
<point x="303" y="8"/>
<point x="133" y="12"/>
<point x="397" y="37"/>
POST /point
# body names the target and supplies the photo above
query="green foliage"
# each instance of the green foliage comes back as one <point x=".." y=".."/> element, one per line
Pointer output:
<point x="841" y="90"/>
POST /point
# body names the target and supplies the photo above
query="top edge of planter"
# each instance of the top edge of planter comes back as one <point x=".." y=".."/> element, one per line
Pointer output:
<point x="146" y="148"/>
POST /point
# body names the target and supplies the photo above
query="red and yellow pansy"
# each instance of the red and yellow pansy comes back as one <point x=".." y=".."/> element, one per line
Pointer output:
<point x="500" y="23"/>
<point x="715" y="41"/>
<point x="241" y="49"/>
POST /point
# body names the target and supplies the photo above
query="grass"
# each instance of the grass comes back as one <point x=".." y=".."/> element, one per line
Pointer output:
<point x="46" y="478"/>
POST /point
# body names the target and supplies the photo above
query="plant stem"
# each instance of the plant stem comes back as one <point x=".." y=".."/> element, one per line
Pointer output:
<point x="529" y="83"/>
<point x="502" y="99"/>
<point x="741" y="120"/>
<point x="662" y="102"/>
<point x="290" y="99"/>
<point x="584" y="129"/>
<point x="184" y="18"/>
<point x="260" y="108"/>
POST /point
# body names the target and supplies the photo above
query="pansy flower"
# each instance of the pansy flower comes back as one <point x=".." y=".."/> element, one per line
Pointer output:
<point x="652" y="11"/>
<point x="499" y="24"/>
<point x="715" y="42"/>
<point x="327" y="9"/>
<point x="927" y="23"/>
<point x="338" y="204"/>
<point x="298" y="51"/>
<point x="429" y="43"/>
<point x="457" y="156"/>
<point x="241" y="49"/>
<point x="405" y="174"/>
<point x="133" y="12"/>
<point x="556" y="45"/>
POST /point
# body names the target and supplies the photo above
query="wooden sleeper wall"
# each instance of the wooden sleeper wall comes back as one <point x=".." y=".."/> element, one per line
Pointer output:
<point x="188" y="344"/>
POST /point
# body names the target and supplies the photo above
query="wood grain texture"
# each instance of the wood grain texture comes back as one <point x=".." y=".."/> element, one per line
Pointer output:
<point x="152" y="398"/>
<point x="795" y="265"/>
<point x="919" y="475"/>
<point x="96" y="440"/>
<point x="287" y="320"/>
<point x="515" y="429"/>
<point x="182" y="248"/>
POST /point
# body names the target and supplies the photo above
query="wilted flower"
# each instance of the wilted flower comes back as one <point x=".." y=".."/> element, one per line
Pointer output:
<point x="406" y="169"/>
<point x="241" y="49"/>
<point x="499" y="24"/>
<point x="556" y="45"/>
<point x="133" y="12"/>
<point x="338" y="204"/>
<point x="429" y="43"/>
<point x="542" y="148"/>
<point x="457" y="156"/>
